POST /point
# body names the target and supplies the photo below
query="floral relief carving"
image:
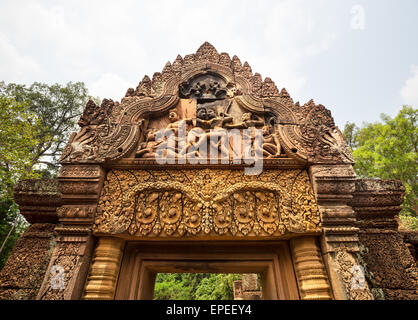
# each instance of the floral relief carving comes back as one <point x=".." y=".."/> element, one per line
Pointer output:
<point x="192" y="202"/>
<point x="111" y="131"/>
<point x="352" y="276"/>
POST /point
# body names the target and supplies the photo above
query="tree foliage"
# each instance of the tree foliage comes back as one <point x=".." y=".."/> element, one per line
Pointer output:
<point x="35" y="124"/>
<point x="197" y="286"/>
<point x="8" y="214"/>
<point x="19" y="132"/>
<point x="388" y="150"/>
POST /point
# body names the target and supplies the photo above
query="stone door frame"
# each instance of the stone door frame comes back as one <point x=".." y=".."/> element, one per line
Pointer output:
<point x="290" y="270"/>
<point x="142" y="261"/>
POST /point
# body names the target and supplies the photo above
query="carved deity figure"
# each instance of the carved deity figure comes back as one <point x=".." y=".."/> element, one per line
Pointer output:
<point x="248" y="120"/>
<point x="148" y="148"/>
<point x="206" y="89"/>
<point x="176" y="122"/>
<point x="271" y="142"/>
<point x="213" y="123"/>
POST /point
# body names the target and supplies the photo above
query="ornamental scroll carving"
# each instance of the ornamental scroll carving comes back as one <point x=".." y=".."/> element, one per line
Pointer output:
<point x="352" y="275"/>
<point x="202" y="202"/>
<point x="226" y="94"/>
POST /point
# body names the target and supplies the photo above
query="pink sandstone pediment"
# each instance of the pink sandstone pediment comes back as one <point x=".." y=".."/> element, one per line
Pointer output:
<point x="195" y="88"/>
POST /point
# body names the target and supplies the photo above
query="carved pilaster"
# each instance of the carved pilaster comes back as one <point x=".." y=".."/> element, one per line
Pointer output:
<point x="334" y="186"/>
<point x="310" y="270"/>
<point x="101" y="282"/>
<point x="80" y="186"/>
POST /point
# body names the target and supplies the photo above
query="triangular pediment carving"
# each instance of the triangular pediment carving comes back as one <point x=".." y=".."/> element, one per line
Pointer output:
<point x="207" y="92"/>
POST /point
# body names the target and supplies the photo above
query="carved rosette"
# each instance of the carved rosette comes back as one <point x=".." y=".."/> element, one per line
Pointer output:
<point x="201" y="202"/>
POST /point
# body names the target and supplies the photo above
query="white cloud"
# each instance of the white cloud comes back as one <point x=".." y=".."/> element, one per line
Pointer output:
<point x="16" y="65"/>
<point x="109" y="85"/>
<point x="409" y="92"/>
<point x="100" y="41"/>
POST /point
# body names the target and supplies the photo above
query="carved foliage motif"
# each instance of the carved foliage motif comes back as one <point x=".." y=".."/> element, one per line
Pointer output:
<point x="193" y="202"/>
<point x="66" y="255"/>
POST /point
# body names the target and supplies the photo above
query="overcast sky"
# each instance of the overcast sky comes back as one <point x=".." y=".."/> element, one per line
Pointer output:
<point x="358" y="58"/>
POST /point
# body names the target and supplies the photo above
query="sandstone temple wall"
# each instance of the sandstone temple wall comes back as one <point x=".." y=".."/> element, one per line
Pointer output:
<point x="390" y="268"/>
<point x="23" y="274"/>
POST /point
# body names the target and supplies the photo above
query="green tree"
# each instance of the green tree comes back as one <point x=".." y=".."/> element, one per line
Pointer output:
<point x="11" y="225"/>
<point x="35" y="124"/>
<point x="388" y="150"/>
<point x="217" y="287"/>
<point x="172" y="286"/>
<point x="19" y="129"/>
<point x="19" y="132"/>
<point x="57" y="109"/>
<point x="194" y="286"/>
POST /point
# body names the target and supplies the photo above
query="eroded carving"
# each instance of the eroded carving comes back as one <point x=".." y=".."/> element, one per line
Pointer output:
<point x="66" y="256"/>
<point x="228" y="96"/>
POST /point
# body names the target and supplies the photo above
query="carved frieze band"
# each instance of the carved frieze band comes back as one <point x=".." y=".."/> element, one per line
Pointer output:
<point x="206" y="202"/>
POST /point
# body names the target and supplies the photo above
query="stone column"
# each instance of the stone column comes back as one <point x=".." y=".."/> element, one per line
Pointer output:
<point x="104" y="271"/>
<point x="334" y="186"/>
<point x="80" y="186"/>
<point x="22" y="275"/>
<point x="310" y="270"/>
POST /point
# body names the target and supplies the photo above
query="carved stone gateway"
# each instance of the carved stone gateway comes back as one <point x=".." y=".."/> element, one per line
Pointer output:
<point x="205" y="168"/>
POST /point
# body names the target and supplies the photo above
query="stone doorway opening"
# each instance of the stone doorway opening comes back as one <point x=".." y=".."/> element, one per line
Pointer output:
<point x="207" y="286"/>
<point x="142" y="261"/>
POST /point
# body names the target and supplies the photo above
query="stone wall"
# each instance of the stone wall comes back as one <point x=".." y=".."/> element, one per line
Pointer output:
<point x="390" y="269"/>
<point x="23" y="274"/>
<point x="411" y="240"/>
